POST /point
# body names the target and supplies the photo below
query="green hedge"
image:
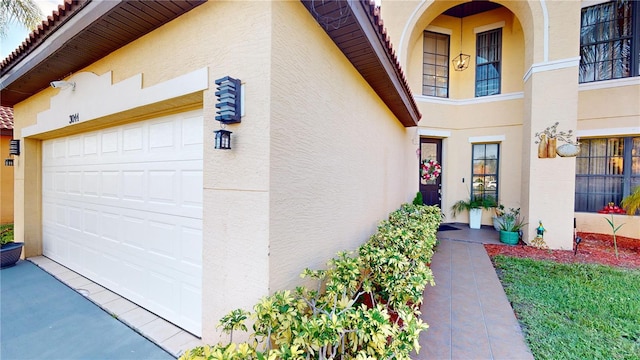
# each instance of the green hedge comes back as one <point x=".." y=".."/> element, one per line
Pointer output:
<point x="366" y="303"/>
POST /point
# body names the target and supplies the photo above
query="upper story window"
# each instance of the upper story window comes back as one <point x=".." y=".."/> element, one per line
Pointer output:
<point x="435" y="65"/>
<point x="609" y="41"/>
<point x="607" y="170"/>
<point x="488" y="61"/>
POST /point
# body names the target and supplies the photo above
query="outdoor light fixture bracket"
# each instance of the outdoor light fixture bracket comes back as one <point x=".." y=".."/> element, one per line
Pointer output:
<point x="229" y="104"/>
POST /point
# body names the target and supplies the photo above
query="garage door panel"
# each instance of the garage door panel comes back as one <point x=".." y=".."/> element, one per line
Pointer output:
<point x="123" y="207"/>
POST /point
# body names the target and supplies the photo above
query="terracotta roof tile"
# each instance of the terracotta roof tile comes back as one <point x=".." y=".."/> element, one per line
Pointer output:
<point x="6" y="118"/>
<point x="44" y="29"/>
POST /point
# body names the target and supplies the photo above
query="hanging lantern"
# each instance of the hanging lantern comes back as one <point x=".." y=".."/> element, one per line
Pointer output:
<point x="223" y="139"/>
<point x="461" y="62"/>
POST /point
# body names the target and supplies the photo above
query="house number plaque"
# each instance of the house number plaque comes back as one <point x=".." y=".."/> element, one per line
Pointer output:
<point x="74" y="118"/>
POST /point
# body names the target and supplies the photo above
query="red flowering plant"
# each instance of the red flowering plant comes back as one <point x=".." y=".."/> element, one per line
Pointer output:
<point x="430" y="170"/>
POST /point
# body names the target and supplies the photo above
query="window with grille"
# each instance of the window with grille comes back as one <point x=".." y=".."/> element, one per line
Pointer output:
<point x="607" y="170"/>
<point x="435" y="65"/>
<point x="488" y="59"/>
<point x="608" y="47"/>
<point x="484" y="179"/>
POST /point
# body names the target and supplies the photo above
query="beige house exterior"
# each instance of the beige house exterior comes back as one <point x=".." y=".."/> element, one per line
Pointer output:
<point x="119" y="180"/>
<point x="122" y="162"/>
<point x="540" y="65"/>
<point x="6" y="171"/>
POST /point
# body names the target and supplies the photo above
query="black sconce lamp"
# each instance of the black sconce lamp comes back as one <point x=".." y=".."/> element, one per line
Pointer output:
<point x="14" y="149"/>
<point x="229" y="109"/>
<point x="223" y="139"/>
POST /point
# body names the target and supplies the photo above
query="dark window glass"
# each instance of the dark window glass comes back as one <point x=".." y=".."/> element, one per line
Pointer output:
<point x="484" y="179"/>
<point x="607" y="170"/>
<point x="435" y="65"/>
<point x="607" y="42"/>
<point x="488" y="58"/>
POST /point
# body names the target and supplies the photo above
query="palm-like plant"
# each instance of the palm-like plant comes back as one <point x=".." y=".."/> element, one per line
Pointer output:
<point x="25" y="12"/>
<point x="631" y="203"/>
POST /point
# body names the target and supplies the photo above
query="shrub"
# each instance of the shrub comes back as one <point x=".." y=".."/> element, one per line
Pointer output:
<point x="6" y="234"/>
<point x="365" y="305"/>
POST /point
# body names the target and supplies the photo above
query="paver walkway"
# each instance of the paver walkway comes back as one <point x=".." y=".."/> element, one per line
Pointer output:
<point x="468" y="313"/>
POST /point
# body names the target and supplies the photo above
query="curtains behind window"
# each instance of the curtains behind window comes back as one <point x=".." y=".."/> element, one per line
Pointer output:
<point x="605" y="41"/>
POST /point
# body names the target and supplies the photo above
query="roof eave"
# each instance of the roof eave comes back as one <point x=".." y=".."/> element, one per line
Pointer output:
<point x="388" y="79"/>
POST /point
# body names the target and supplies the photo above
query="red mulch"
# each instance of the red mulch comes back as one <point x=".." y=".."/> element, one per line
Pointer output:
<point x="594" y="248"/>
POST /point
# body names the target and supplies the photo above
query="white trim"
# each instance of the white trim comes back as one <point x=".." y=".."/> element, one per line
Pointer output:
<point x="434" y="133"/>
<point x="96" y="96"/>
<point x="478" y="100"/>
<point x="607" y="132"/>
<point x="486" y="139"/>
<point x="545" y="17"/>
<point x="551" y="65"/>
<point x="483" y="28"/>
<point x="439" y="30"/>
<point x="587" y="3"/>
<point x="606" y="84"/>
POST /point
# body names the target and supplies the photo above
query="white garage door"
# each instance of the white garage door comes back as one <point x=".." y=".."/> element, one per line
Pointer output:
<point x="123" y="207"/>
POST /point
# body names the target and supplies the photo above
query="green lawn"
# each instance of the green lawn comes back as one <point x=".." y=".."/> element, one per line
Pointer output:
<point x="574" y="311"/>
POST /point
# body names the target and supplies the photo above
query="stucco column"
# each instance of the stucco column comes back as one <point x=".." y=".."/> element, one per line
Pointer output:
<point x="28" y="197"/>
<point x="548" y="184"/>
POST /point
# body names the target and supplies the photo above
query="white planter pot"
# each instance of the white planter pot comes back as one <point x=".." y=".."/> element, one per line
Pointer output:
<point x="475" y="218"/>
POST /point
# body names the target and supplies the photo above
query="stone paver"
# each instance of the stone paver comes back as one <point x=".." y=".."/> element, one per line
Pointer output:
<point x="468" y="313"/>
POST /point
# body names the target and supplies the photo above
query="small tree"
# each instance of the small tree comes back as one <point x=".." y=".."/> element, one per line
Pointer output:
<point x="614" y="229"/>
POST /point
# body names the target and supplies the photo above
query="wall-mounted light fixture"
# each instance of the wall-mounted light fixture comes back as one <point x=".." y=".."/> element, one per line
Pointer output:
<point x="229" y="100"/>
<point x="229" y="107"/>
<point x="223" y="139"/>
<point x="14" y="147"/>
<point x="61" y="84"/>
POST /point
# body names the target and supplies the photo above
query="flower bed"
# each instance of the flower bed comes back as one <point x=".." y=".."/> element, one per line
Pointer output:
<point x="594" y="248"/>
<point x="365" y="304"/>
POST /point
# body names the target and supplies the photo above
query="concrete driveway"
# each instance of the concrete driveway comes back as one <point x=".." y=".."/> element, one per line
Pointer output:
<point x="41" y="318"/>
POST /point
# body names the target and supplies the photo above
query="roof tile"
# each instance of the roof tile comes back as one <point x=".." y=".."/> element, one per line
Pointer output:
<point x="6" y="118"/>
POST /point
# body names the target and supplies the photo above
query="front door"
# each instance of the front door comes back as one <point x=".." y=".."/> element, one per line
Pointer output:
<point x="431" y="149"/>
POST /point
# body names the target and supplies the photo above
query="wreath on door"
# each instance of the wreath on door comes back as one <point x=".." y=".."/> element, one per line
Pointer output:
<point x="430" y="170"/>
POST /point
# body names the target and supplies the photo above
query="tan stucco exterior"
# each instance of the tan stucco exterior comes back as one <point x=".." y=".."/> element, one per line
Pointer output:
<point x="317" y="161"/>
<point x="319" y="158"/>
<point x="6" y="180"/>
<point x="540" y="42"/>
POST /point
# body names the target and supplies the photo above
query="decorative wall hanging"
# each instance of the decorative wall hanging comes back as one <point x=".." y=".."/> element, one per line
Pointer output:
<point x="547" y="141"/>
<point x="430" y="170"/>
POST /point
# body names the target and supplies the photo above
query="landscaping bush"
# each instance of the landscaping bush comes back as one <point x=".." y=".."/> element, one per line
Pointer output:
<point x="366" y="303"/>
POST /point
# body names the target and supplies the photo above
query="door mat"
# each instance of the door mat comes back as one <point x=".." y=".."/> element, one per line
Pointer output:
<point x="445" y="227"/>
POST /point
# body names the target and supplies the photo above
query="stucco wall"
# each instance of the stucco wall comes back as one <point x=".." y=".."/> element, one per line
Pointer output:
<point x="340" y="160"/>
<point x="315" y="163"/>
<point x="6" y="181"/>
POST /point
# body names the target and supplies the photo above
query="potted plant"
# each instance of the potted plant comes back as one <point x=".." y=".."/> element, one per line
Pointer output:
<point x="9" y="250"/>
<point x="499" y="211"/>
<point x="510" y="226"/>
<point x="474" y="206"/>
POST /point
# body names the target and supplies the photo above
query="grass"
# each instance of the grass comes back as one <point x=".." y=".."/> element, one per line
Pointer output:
<point x="574" y="311"/>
